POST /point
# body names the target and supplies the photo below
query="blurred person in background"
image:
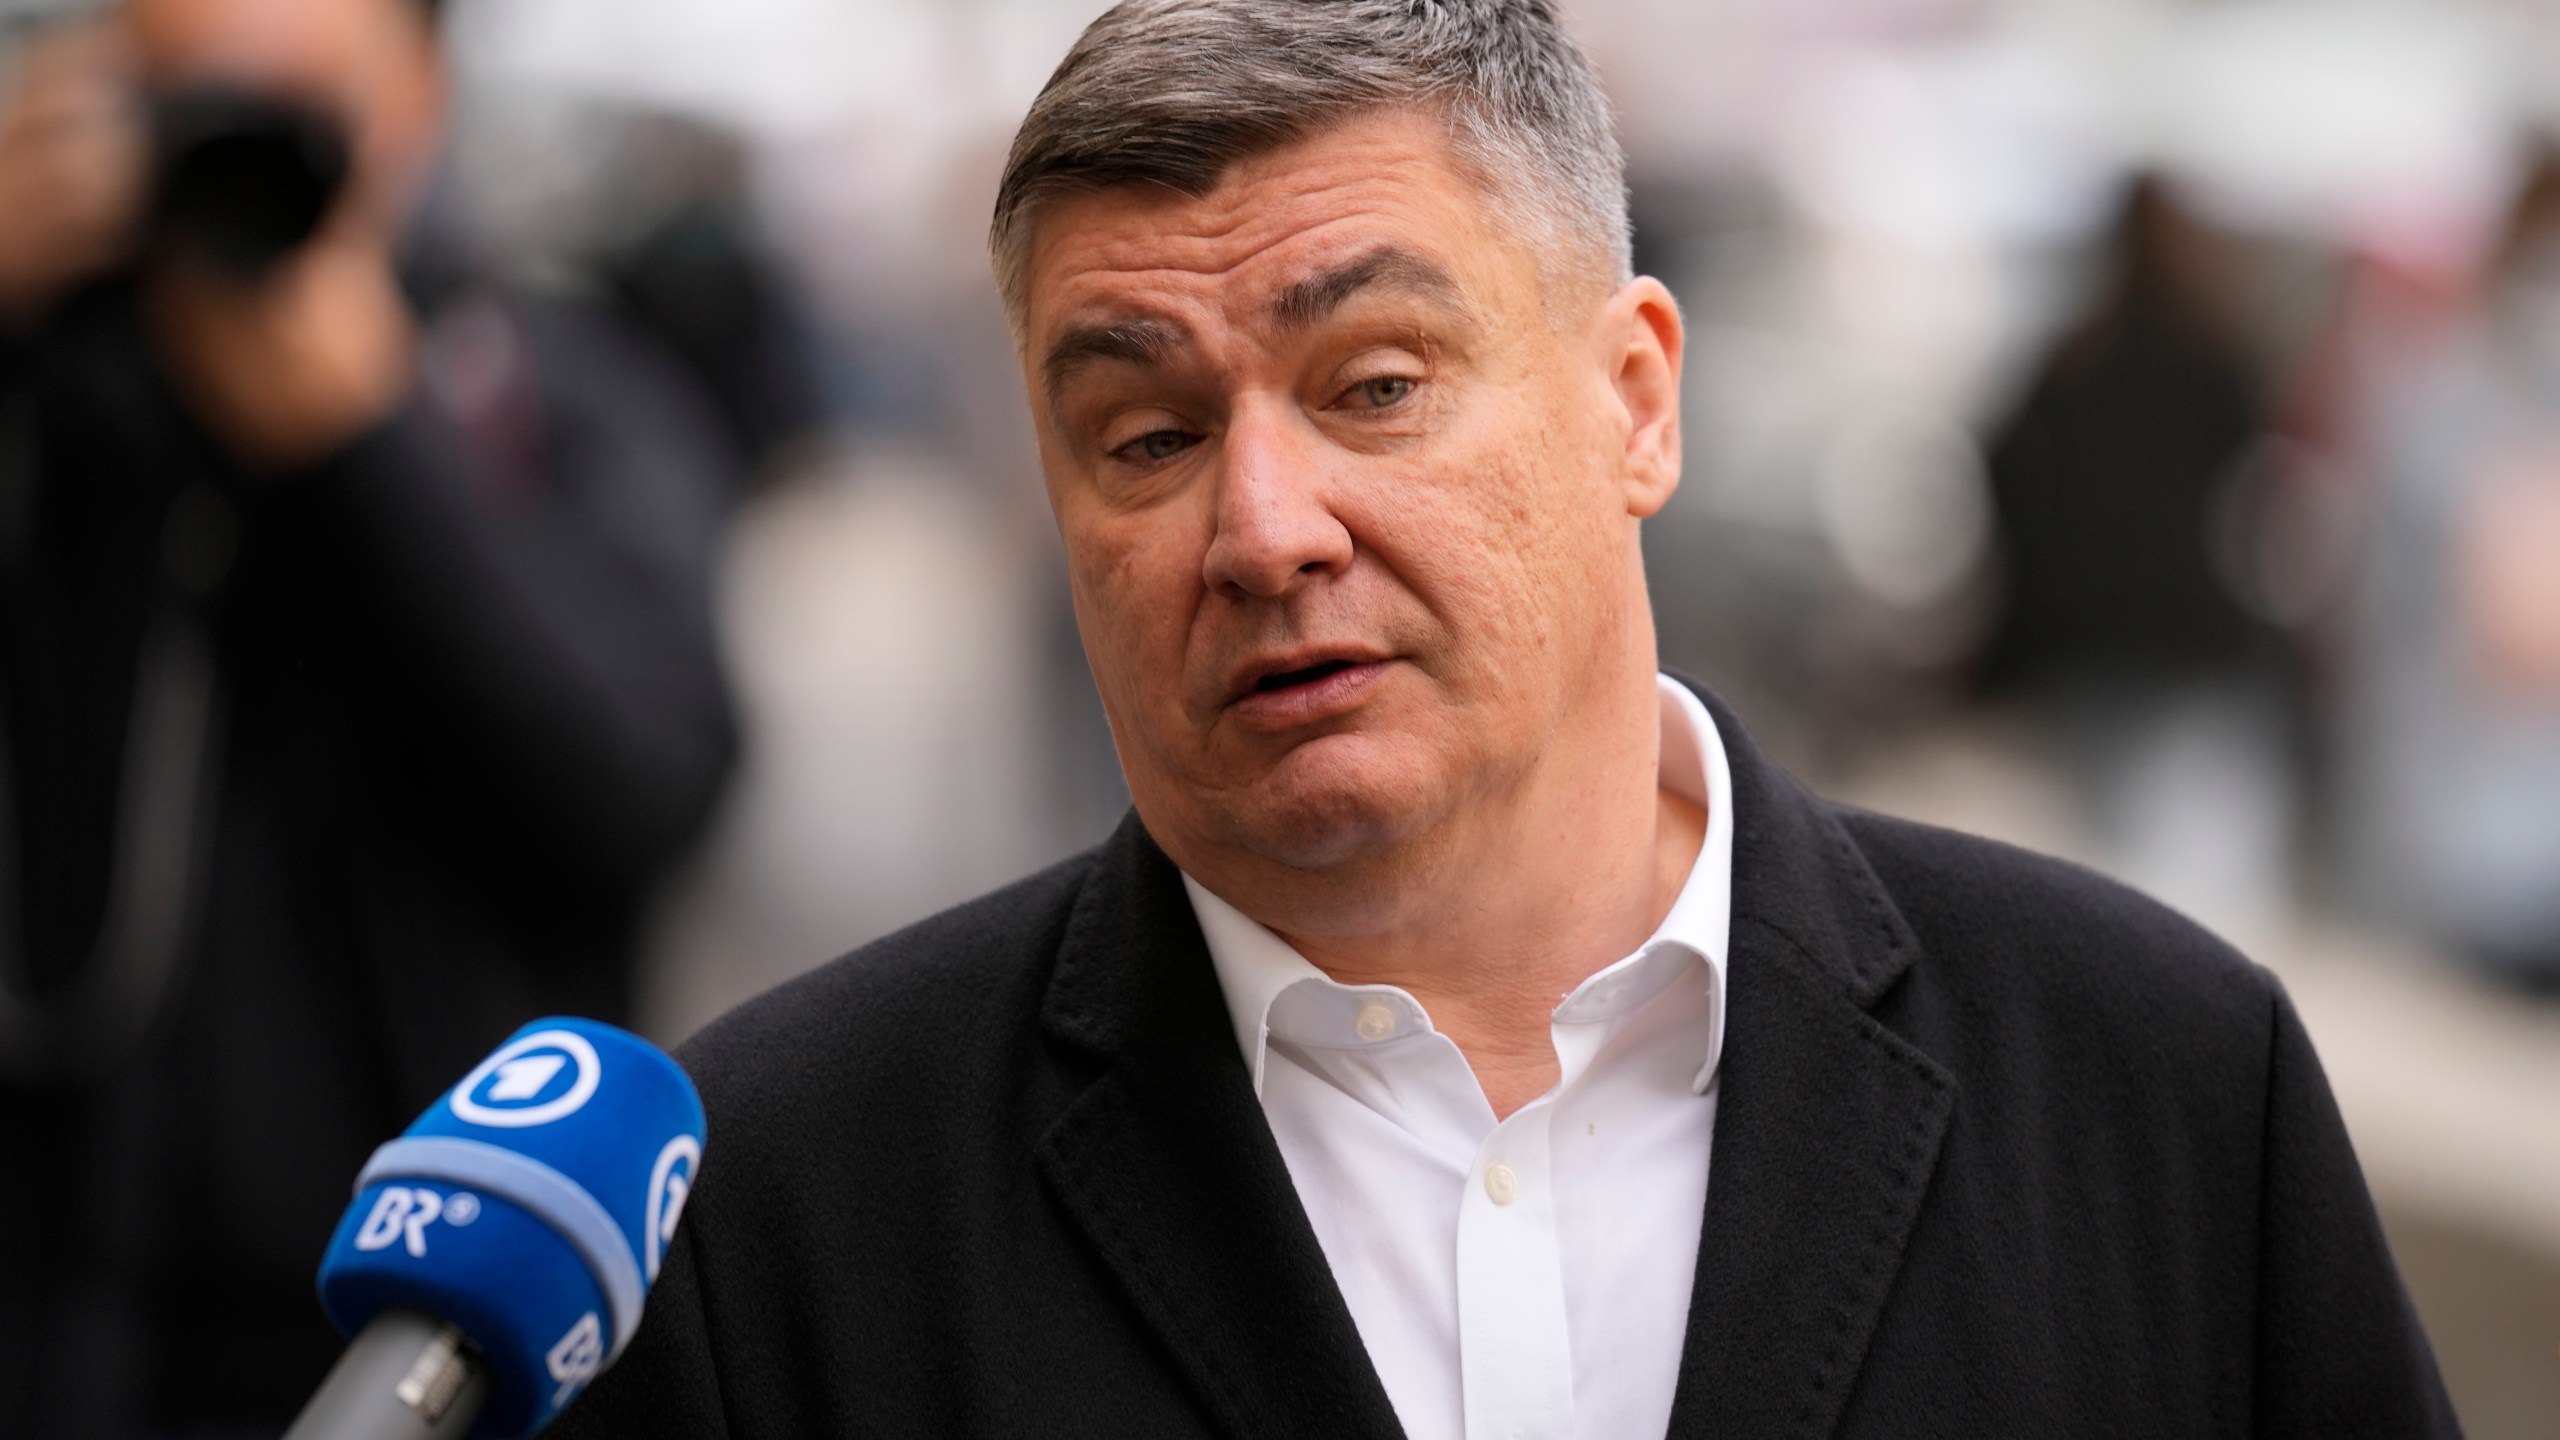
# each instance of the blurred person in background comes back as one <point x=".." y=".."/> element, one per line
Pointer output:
<point x="2450" y="752"/>
<point x="2119" y="487"/>
<point x="698" y="275"/>
<point x="357" y="673"/>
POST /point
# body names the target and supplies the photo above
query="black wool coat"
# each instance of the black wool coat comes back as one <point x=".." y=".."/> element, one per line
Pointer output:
<point x="2002" y="1149"/>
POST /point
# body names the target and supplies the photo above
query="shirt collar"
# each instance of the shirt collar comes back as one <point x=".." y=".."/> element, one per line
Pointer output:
<point x="1255" y="967"/>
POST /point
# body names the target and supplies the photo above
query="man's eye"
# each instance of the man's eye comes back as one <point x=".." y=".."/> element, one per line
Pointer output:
<point x="1384" y="391"/>
<point x="1157" y="445"/>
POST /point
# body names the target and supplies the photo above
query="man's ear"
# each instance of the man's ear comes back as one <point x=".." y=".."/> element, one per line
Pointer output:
<point x="1642" y="335"/>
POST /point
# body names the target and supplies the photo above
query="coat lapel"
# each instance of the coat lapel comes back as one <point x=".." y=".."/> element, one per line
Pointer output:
<point x="1827" y="1126"/>
<point x="1167" y="1164"/>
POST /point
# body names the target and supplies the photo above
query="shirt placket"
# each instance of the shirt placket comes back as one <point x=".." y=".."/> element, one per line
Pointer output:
<point x="1515" y="1352"/>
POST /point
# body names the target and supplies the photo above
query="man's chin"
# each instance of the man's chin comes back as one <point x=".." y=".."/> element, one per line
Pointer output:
<point x="1333" y="803"/>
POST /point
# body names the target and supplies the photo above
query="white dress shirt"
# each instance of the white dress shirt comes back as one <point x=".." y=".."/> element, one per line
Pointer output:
<point x="1527" y="1278"/>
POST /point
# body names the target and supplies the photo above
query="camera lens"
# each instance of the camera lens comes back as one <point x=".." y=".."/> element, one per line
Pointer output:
<point x="243" y="179"/>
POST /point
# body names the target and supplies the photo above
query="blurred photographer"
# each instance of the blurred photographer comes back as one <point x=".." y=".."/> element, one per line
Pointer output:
<point x="357" y="679"/>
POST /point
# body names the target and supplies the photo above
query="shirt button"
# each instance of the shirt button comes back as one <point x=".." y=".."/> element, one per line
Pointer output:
<point x="1376" y="1022"/>
<point x="1502" y="1184"/>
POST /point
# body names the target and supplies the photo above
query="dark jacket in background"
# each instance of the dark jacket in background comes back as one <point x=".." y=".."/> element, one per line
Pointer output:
<point x="2002" y="1149"/>
<point x="2119" y="493"/>
<point x="464" y="706"/>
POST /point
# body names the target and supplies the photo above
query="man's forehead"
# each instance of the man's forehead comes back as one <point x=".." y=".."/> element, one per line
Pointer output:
<point x="1136" y="333"/>
<point x="1365" y="203"/>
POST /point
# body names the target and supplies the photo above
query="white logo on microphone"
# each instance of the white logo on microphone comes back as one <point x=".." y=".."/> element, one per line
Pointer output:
<point x="507" y="1090"/>
<point x="669" y="1187"/>
<point x="402" y="1213"/>
<point x="576" y="1358"/>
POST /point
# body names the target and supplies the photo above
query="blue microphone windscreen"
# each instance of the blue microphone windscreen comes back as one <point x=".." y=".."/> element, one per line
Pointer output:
<point x="531" y="1206"/>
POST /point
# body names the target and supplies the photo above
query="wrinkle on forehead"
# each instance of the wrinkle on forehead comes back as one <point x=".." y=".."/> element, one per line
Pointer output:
<point x="1149" y="340"/>
<point x="1400" y="164"/>
<point x="1120" y="254"/>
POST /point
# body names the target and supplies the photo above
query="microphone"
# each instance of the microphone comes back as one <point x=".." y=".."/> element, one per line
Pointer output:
<point x="496" y="1255"/>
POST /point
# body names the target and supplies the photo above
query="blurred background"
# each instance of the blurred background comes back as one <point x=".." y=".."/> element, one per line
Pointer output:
<point x="2130" y="428"/>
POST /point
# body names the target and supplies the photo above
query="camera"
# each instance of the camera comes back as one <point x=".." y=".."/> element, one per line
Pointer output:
<point x="241" y="178"/>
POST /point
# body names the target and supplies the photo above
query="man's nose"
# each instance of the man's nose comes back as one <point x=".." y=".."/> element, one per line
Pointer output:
<point x="1275" y="524"/>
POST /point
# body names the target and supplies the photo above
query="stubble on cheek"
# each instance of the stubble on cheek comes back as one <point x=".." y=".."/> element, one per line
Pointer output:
<point x="1491" y="539"/>
<point x="1133" y="627"/>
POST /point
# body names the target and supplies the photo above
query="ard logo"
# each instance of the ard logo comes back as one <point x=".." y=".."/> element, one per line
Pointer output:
<point x="670" y="1182"/>
<point x="534" y="1080"/>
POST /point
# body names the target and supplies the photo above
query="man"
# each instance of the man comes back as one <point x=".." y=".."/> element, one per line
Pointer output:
<point x="1369" y="1079"/>
<point x="356" y="676"/>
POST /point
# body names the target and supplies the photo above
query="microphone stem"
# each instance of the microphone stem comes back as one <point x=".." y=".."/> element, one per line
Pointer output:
<point x="409" y="1376"/>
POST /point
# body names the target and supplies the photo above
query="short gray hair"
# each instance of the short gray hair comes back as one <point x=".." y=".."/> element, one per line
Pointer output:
<point x="1174" y="92"/>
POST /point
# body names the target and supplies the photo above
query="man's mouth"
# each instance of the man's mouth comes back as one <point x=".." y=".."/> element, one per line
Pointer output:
<point x="1307" y="676"/>
<point x="1305" y="689"/>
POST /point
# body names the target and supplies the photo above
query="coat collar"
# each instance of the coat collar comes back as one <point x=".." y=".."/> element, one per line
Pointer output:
<point x="1167" y="1164"/>
<point x="1827" y="1131"/>
<point x="1828" y="1124"/>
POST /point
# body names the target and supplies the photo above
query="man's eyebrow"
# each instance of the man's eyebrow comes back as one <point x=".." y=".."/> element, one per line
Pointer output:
<point x="1317" y="296"/>
<point x="1133" y="342"/>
